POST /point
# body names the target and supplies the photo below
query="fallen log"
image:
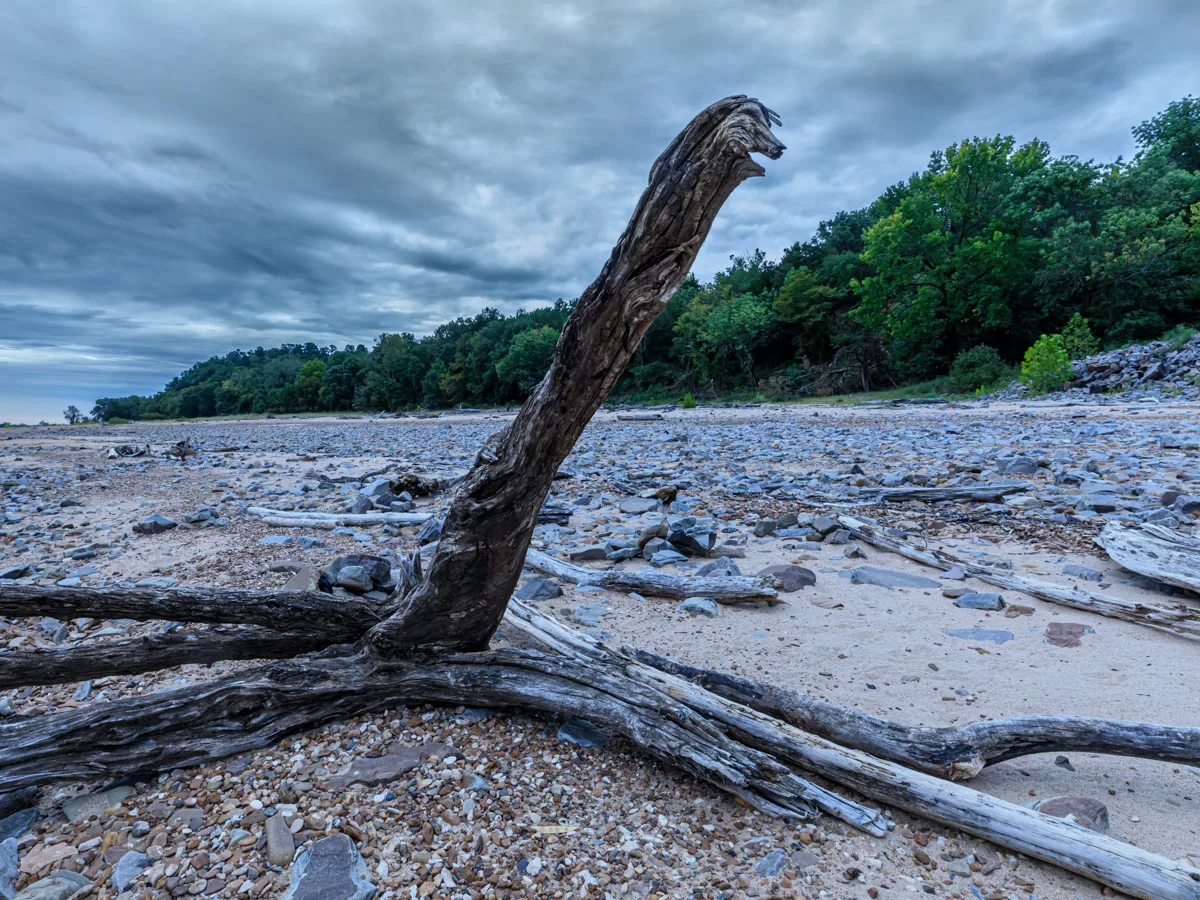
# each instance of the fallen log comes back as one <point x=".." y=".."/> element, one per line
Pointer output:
<point x="1182" y="621"/>
<point x="958" y="753"/>
<point x="20" y="668"/>
<point x="301" y="612"/>
<point x="727" y="589"/>
<point x="329" y="521"/>
<point x="981" y="493"/>
<point x="1156" y="552"/>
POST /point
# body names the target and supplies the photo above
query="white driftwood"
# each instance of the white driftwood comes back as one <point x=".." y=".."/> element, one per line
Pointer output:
<point x="727" y="589"/>
<point x="1156" y="552"/>
<point x="1182" y="621"/>
<point x="328" y="521"/>
<point x="1106" y="860"/>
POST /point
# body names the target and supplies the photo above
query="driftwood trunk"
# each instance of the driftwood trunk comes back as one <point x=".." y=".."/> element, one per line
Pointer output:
<point x="485" y="535"/>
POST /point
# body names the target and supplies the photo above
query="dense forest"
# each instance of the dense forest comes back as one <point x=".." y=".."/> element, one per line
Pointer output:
<point x="992" y="244"/>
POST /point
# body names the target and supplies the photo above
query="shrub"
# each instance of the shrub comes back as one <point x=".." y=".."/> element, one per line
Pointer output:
<point x="1178" y="336"/>
<point x="1046" y="366"/>
<point x="979" y="367"/>
<point x="1077" y="338"/>
<point x="688" y="401"/>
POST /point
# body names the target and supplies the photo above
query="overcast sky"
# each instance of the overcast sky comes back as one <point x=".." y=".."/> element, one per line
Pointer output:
<point x="181" y="179"/>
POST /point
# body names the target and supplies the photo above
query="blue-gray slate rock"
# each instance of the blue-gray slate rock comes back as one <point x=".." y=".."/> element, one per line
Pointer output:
<point x="128" y="867"/>
<point x="699" y="606"/>
<point x="8" y="868"/>
<point x="539" y="589"/>
<point x="771" y="864"/>
<point x="980" y="601"/>
<point x="582" y="733"/>
<point x="17" y="824"/>
<point x="154" y="524"/>
<point x="332" y="869"/>
<point x="890" y="579"/>
<point x="59" y="886"/>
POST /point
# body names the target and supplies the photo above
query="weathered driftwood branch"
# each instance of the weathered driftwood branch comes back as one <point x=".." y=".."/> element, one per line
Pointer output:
<point x="203" y="646"/>
<point x="982" y="493"/>
<point x="958" y="753"/>
<point x="722" y="588"/>
<point x="301" y="612"/>
<point x="307" y="519"/>
<point x="1104" y="859"/>
<point x="1182" y="621"/>
<point x="1156" y="552"/>
<point x="494" y="510"/>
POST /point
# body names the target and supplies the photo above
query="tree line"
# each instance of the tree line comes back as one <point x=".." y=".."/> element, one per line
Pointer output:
<point x="991" y="245"/>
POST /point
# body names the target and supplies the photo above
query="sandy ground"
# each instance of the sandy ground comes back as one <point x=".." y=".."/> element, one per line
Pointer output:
<point x="881" y="651"/>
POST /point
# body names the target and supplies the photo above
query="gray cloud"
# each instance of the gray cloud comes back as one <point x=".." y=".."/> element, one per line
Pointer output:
<point x="178" y="180"/>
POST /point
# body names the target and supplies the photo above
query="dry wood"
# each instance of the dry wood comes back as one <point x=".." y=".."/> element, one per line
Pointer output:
<point x="1183" y="621"/>
<point x="960" y="752"/>
<point x="494" y="510"/>
<point x="982" y="493"/>
<point x="302" y="612"/>
<point x="203" y="646"/>
<point x="307" y="519"/>
<point x="723" y="588"/>
<point x="1156" y="552"/>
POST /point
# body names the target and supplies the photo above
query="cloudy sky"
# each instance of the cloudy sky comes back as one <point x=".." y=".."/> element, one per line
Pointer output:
<point x="181" y="179"/>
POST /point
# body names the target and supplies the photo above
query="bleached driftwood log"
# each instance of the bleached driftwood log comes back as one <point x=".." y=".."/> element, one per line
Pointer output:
<point x="328" y="521"/>
<point x="1156" y="552"/>
<point x="726" y="589"/>
<point x="1183" y="621"/>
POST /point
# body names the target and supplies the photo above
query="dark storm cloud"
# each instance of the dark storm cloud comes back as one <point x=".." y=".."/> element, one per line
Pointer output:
<point x="177" y="180"/>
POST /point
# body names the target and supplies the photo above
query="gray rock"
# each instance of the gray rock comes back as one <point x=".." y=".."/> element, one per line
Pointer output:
<point x="377" y="568"/>
<point x="59" y="886"/>
<point x="539" y="589"/>
<point x="636" y="506"/>
<point x="430" y="532"/>
<point x="587" y="615"/>
<point x="582" y="733"/>
<point x="699" y="606"/>
<point x="306" y="578"/>
<point x="160" y="583"/>
<point x="722" y="565"/>
<point x="837" y="538"/>
<point x="691" y="537"/>
<point x="666" y="557"/>
<point x="823" y="525"/>
<point x="771" y="864"/>
<point x="765" y="527"/>
<point x="354" y="578"/>
<point x="8" y="868"/>
<point x="1091" y="814"/>
<point x="1082" y="572"/>
<point x="281" y="846"/>
<point x="12" y="572"/>
<point x="589" y="554"/>
<point x="332" y="869"/>
<point x="362" y="504"/>
<point x="995" y="635"/>
<point x="853" y="551"/>
<point x="154" y="524"/>
<point x="890" y="579"/>
<point x="1019" y="465"/>
<point x="17" y="824"/>
<point x="955" y="574"/>
<point x="128" y="868"/>
<point x="980" y="601"/>
<point x="88" y="805"/>
<point x="790" y="578"/>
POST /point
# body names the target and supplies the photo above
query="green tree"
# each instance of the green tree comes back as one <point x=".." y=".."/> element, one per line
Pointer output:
<point x="1077" y="338"/>
<point x="1046" y="366"/>
<point x="528" y="358"/>
<point x="307" y="387"/>
<point x="72" y="414"/>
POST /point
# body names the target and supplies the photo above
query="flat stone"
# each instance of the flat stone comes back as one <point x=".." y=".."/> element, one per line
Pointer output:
<point x="721" y="566"/>
<point x="699" y="606"/>
<point x="790" y="578"/>
<point x="331" y="869"/>
<point x="17" y="824"/>
<point x="589" y="554"/>
<point x="582" y="733"/>
<point x="1082" y="572"/>
<point x="539" y="589"/>
<point x="93" y="804"/>
<point x="431" y="531"/>
<point x="399" y="760"/>
<point x="354" y="578"/>
<point x="771" y="864"/>
<point x="13" y="572"/>
<point x="1091" y="814"/>
<point x="587" y="615"/>
<point x="666" y="557"/>
<point x="304" y="579"/>
<point x="1066" y="634"/>
<point x="128" y="868"/>
<point x="59" y="886"/>
<point x="891" y="579"/>
<point x="636" y="506"/>
<point x="980" y="601"/>
<point x="995" y="635"/>
<point x="281" y="846"/>
<point x="154" y="524"/>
